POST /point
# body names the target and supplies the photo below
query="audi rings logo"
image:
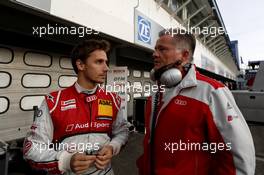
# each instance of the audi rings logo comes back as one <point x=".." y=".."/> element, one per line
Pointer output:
<point x="144" y="28"/>
<point x="180" y="102"/>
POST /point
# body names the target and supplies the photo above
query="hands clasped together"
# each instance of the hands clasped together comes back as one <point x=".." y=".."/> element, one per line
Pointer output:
<point x="80" y="162"/>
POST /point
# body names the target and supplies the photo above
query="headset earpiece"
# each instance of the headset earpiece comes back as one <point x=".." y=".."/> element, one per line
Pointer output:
<point x="169" y="75"/>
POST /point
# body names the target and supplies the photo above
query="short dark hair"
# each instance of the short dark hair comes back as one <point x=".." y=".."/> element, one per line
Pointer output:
<point x="181" y="37"/>
<point x="85" y="48"/>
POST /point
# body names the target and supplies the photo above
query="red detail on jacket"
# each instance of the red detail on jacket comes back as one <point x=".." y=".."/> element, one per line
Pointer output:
<point x="50" y="167"/>
<point x="27" y="146"/>
<point x="83" y="118"/>
<point x="190" y="121"/>
<point x="212" y="82"/>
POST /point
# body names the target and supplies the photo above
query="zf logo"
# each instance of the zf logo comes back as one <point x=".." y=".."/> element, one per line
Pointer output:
<point x="144" y="28"/>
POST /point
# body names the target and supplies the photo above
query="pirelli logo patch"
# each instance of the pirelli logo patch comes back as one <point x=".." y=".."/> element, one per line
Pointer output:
<point x="105" y="108"/>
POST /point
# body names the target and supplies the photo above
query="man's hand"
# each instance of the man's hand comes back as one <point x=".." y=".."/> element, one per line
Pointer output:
<point x="104" y="157"/>
<point x="81" y="162"/>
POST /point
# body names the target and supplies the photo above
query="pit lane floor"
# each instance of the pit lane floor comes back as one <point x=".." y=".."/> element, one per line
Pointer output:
<point x="125" y="162"/>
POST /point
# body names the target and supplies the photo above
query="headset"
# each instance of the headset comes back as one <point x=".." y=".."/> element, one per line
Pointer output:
<point x="169" y="75"/>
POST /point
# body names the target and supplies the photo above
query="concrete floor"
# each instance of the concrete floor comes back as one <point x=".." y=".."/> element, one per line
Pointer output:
<point x="125" y="163"/>
<point x="257" y="132"/>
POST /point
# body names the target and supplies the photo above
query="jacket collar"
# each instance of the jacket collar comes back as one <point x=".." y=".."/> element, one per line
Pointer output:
<point x="80" y="89"/>
<point x="190" y="79"/>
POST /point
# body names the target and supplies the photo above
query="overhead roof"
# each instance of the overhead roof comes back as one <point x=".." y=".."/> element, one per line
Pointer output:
<point x="203" y="14"/>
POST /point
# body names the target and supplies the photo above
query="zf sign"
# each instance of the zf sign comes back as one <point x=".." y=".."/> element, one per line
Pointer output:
<point x="144" y="30"/>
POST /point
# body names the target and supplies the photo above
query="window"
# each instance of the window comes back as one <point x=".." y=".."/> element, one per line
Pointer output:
<point x="6" y="55"/>
<point x="65" y="63"/>
<point x="33" y="80"/>
<point x="137" y="87"/>
<point x="128" y="97"/>
<point x="147" y="88"/>
<point x="37" y="59"/>
<point x="27" y="102"/>
<point x="136" y="73"/>
<point x="146" y="94"/>
<point x="137" y="84"/>
<point x="4" y="104"/>
<point x="136" y="95"/>
<point x="5" y="78"/>
<point x="172" y="5"/>
<point x="67" y="80"/>
<point x="146" y="75"/>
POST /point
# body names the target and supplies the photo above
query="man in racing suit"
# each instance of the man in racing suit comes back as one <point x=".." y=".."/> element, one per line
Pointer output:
<point x="80" y="128"/>
<point x="195" y="126"/>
